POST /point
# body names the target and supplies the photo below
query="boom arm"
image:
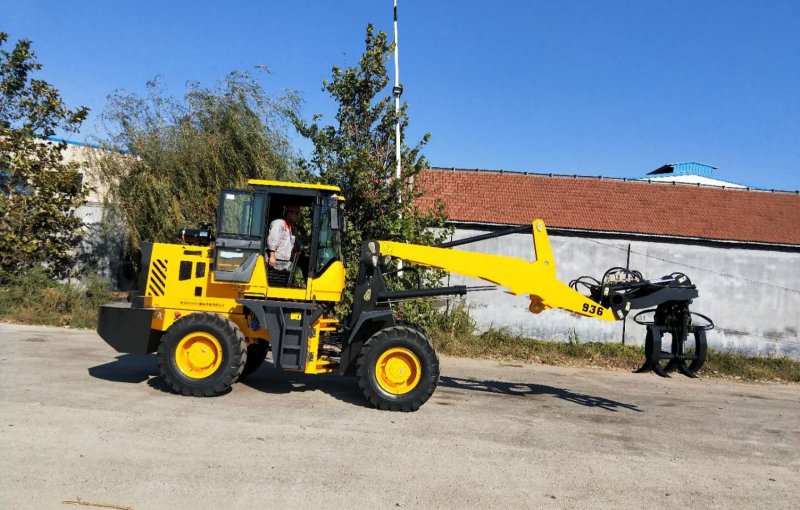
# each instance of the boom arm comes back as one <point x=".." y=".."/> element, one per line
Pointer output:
<point x="537" y="278"/>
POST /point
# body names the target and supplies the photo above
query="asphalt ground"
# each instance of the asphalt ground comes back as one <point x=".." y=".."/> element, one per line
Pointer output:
<point x="79" y="422"/>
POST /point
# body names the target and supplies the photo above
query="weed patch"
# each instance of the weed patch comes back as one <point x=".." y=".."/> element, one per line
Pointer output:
<point x="34" y="298"/>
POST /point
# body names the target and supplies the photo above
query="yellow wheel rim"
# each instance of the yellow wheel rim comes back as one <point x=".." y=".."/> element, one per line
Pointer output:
<point x="398" y="371"/>
<point x="198" y="355"/>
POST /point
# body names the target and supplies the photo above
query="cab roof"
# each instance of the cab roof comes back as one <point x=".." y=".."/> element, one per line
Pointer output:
<point x="287" y="184"/>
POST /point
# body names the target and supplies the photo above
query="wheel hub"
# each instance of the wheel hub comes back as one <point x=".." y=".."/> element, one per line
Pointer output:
<point x="398" y="371"/>
<point x="198" y="355"/>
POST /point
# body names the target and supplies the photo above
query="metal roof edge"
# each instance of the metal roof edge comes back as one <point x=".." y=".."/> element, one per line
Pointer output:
<point x="290" y="184"/>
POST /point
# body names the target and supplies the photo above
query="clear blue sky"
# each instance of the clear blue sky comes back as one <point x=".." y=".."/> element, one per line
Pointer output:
<point x="610" y="87"/>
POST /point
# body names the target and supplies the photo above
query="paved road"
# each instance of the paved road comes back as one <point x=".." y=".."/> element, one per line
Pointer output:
<point x="78" y="422"/>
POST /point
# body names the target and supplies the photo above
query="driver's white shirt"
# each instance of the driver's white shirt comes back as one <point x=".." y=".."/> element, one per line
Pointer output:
<point x="281" y="240"/>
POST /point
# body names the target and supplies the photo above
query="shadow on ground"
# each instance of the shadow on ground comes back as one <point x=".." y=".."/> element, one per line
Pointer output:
<point x="130" y="368"/>
<point x="521" y="389"/>
<point x="271" y="380"/>
<point x="127" y="368"/>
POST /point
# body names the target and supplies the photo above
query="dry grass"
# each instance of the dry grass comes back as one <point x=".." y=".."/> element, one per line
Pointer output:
<point x="499" y="344"/>
<point x="752" y="368"/>
<point x="33" y="298"/>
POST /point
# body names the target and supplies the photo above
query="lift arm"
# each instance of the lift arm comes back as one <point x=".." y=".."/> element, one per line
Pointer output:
<point x="610" y="298"/>
<point x="537" y="278"/>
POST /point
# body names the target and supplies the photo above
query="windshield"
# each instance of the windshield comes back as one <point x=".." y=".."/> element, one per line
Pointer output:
<point x="242" y="214"/>
<point x="329" y="240"/>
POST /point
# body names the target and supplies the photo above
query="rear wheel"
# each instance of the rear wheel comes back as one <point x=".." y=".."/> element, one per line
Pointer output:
<point x="256" y="354"/>
<point x="202" y="355"/>
<point x="398" y="370"/>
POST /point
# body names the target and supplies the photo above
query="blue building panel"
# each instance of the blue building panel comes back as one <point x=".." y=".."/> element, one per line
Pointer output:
<point x="690" y="168"/>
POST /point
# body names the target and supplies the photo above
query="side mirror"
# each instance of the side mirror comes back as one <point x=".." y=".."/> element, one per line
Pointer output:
<point x="341" y="218"/>
<point x="334" y="218"/>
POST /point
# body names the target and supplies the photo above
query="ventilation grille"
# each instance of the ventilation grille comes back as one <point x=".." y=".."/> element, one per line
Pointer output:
<point x="158" y="277"/>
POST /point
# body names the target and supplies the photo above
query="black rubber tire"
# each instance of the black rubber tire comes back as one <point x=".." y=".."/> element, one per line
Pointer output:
<point x="256" y="354"/>
<point x="408" y="324"/>
<point x="234" y="355"/>
<point x="412" y="338"/>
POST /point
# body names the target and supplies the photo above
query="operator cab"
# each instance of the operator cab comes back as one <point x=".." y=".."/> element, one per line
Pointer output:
<point x="301" y="221"/>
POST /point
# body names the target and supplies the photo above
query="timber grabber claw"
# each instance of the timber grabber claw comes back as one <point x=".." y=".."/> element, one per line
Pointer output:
<point x="676" y="319"/>
<point x="623" y="290"/>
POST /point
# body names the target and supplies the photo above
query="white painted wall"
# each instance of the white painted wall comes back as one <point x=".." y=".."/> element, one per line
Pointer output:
<point x="751" y="317"/>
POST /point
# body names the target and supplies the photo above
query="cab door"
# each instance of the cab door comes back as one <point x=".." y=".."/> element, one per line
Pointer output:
<point x="240" y="235"/>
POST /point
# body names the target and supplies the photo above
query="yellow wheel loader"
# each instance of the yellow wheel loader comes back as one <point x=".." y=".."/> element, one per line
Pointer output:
<point x="215" y="305"/>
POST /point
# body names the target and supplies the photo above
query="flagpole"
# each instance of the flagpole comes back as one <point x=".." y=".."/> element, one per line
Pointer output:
<point x="397" y="91"/>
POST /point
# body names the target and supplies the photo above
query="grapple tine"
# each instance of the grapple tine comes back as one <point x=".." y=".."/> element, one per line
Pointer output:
<point x="676" y="350"/>
<point x="672" y="365"/>
<point x="658" y="370"/>
<point x="648" y="354"/>
<point x="674" y="318"/>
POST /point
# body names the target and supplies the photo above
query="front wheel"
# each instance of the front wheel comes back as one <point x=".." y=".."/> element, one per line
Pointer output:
<point x="202" y="355"/>
<point x="398" y="370"/>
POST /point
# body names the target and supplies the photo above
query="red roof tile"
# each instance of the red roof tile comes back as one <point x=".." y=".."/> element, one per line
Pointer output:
<point x="614" y="205"/>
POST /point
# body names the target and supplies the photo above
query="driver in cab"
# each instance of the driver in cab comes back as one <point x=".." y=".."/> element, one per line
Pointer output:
<point x="281" y="239"/>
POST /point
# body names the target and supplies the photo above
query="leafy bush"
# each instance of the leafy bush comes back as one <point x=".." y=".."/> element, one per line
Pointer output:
<point x="39" y="190"/>
<point x="170" y="157"/>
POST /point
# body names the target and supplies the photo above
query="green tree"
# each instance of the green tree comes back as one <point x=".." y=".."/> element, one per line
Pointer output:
<point x="357" y="153"/>
<point x="39" y="191"/>
<point x="171" y="157"/>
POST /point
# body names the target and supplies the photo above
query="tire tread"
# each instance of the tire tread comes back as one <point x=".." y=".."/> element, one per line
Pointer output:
<point x="226" y="331"/>
<point x="407" y="332"/>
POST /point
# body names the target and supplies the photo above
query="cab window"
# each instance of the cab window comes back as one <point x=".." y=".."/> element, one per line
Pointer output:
<point x="242" y="214"/>
<point x="329" y="237"/>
